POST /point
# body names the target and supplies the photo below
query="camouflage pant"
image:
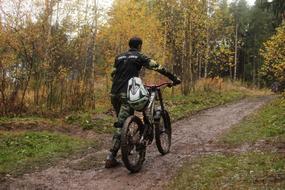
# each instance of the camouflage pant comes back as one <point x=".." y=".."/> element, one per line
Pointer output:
<point x="123" y="111"/>
<point x="122" y="108"/>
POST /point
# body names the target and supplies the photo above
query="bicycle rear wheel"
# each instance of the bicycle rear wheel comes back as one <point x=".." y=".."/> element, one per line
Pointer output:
<point x="133" y="153"/>
<point x="163" y="134"/>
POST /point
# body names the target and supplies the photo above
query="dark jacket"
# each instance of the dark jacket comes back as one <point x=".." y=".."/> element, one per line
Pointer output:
<point x="128" y="65"/>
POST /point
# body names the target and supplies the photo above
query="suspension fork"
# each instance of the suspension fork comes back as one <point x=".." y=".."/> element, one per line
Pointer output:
<point x="148" y="123"/>
<point x="146" y="128"/>
<point x="160" y="100"/>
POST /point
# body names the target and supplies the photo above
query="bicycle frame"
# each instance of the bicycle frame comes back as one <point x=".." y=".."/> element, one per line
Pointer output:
<point x="155" y="95"/>
<point x="150" y="112"/>
<point x="155" y="125"/>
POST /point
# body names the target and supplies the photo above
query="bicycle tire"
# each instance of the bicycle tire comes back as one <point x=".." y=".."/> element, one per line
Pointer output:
<point x="167" y="130"/>
<point x="126" y="144"/>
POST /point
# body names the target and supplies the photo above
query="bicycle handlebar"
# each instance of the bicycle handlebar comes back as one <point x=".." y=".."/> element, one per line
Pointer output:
<point x="169" y="84"/>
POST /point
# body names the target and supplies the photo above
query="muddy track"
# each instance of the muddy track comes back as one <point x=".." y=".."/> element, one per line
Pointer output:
<point x="191" y="137"/>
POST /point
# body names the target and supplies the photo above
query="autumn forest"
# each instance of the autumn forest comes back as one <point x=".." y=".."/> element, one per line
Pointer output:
<point x="54" y="54"/>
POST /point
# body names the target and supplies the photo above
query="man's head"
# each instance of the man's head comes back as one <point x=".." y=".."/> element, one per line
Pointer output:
<point x="136" y="43"/>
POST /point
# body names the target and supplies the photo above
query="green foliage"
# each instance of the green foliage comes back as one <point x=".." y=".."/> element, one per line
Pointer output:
<point x="274" y="58"/>
<point x="277" y="7"/>
<point x="240" y="11"/>
<point x="246" y="171"/>
<point x="222" y="30"/>
<point x="259" y="30"/>
<point x="268" y="123"/>
<point x="25" y="150"/>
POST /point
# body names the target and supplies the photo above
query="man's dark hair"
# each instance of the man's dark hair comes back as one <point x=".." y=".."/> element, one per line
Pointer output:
<point x="135" y="42"/>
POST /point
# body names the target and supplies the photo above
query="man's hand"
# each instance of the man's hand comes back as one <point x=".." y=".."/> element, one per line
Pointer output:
<point x="176" y="81"/>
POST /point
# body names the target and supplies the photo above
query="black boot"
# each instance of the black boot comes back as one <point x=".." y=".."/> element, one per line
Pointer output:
<point x="111" y="158"/>
<point x="111" y="161"/>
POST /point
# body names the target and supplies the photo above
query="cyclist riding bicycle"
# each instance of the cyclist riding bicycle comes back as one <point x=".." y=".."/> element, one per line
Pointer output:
<point x="127" y="66"/>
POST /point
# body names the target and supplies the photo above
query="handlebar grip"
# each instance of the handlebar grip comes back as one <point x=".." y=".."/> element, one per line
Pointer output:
<point x="170" y="85"/>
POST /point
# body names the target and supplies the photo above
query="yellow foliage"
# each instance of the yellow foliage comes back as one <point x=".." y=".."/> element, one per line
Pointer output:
<point x="130" y="18"/>
<point x="274" y="57"/>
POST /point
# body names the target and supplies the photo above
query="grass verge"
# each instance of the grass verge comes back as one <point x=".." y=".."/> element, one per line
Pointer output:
<point x="260" y="169"/>
<point x="246" y="171"/>
<point x="267" y="124"/>
<point x="24" y="151"/>
<point x="102" y="123"/>
<point x="208" y="93"/>
<point x="182" y="106"/>
<point x="28" y="120"/>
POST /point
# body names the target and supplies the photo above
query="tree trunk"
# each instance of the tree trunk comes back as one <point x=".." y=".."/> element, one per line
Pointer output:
<point x="236" y="52"/>
<point x="199" y="66"/>
<point x="254" y="70"/>
<point x="190" y="73"/>
<point x="207" y="55"/>
<point x="2" y="91"/>
<point x="258" y="75"/>
<point x="24" y="92"/>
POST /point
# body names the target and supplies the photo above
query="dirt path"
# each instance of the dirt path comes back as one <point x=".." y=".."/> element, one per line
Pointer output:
<point x="191" y="137"/>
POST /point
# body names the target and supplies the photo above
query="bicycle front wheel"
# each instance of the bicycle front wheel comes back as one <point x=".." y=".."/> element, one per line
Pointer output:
<point x="163" y="133"/>
<point x="133" y="153"/>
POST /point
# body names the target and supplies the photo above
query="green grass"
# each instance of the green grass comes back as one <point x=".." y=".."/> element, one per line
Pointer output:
<point x="29" y="120"/>
<point x="251" y="170"/>
<point x="26" y="150"/>
<point x="245" y="171"/>
<point x="268" y="124"/>
<point x="101" y="124"/>
<point x="182" y="106"/>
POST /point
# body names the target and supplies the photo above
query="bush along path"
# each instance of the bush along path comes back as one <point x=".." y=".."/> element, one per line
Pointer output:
<point x="191" y="138"/>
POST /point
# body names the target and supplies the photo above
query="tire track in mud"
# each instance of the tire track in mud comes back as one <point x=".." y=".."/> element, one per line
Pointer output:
<point x="191" y="138"/>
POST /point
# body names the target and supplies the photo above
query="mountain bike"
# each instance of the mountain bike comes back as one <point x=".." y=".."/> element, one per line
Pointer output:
<point x="138" y="133"/>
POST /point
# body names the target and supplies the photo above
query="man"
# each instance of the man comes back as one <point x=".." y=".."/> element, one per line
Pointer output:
<point x="128" y="65"/>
